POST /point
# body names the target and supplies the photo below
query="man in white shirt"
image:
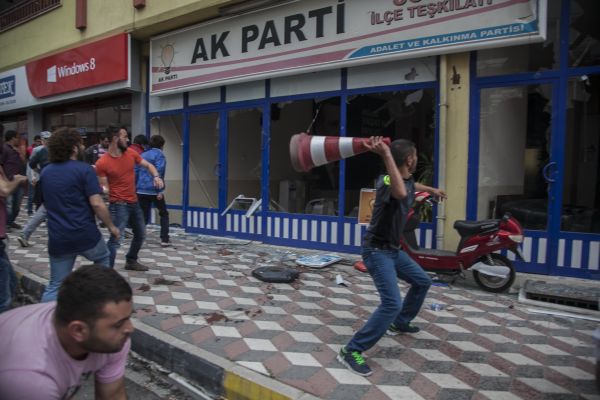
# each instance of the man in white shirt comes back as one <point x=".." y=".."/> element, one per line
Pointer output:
<point x="49" y="349"/>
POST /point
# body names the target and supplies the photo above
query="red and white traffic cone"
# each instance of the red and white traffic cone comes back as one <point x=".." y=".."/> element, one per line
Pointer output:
<point x="307" y="152"/>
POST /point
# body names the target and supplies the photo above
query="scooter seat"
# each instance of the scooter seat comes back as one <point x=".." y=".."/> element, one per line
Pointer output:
<point x="467" y="228"/>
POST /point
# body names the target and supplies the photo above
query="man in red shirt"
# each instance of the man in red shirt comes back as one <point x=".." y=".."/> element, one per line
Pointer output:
<point x="116" y="171"/>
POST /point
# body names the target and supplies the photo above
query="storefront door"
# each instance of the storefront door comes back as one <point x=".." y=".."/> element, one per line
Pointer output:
<point x="202" y="171"/>
<point x="518" y="166"/>
<point x="578" y="161"/>
<point x="542" y="166"/>
<point x="241" y="175"/>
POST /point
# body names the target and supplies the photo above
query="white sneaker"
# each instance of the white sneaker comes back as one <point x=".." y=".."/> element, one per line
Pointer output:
<point x="165" y="244"/>
<point x="22" y="241"/>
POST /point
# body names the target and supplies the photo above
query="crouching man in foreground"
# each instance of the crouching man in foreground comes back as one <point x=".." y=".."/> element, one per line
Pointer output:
<point x="49" y="349"/>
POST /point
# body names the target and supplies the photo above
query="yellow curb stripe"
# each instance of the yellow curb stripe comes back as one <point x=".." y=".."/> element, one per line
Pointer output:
<point x="238" y="388"/>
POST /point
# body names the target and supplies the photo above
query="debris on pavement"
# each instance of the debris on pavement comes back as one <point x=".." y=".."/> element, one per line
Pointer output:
<point x="360" y="266"/>
<point x="318" y="260"/>
<point x="340" y="281"/>
<point x="275" y="274"/>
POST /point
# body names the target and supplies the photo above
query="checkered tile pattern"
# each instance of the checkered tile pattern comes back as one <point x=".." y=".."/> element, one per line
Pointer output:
<point x="487" y="347"/>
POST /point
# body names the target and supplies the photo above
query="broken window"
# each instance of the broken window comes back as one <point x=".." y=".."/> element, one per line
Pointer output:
<point x="401" y="114"/>
<point x="584" y="35"/>
<point x="244" y="153"/>
<point x="315" y="191"/>
<point x="170" y="127"/>
<point x="204" y="161"/>
<point x="525" y="58"/>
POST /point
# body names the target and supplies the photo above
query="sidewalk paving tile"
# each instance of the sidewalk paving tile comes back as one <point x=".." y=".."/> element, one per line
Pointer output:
<point x="488" y="346"/>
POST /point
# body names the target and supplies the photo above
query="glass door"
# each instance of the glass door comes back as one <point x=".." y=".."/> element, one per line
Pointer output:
<point x="578" y="252"/>
<point x="203" y="176"/>
<point x="243" y="172"/>
<point x="581" y="188"/>
<point x="202" y="172"/>
<point x="517" y="171"/>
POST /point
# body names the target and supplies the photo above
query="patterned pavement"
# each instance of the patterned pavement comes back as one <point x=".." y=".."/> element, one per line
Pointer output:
<point x="480" y="346"/>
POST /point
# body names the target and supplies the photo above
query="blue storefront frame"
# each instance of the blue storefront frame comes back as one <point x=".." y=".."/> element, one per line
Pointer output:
<point x="550" y="252"/>
<point x="331" y="233"/>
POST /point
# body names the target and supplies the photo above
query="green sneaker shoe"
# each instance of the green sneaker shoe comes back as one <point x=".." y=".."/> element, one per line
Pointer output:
<point x="394" y="330"/>
<point x="354" y="361"/>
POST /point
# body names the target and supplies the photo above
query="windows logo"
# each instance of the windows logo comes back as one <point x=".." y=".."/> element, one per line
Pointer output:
<point x="51" y="74"/>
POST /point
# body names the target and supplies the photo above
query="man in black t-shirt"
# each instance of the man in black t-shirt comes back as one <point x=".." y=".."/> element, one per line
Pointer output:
<point x="383" y="258"/>
<point x="95" y="151"/>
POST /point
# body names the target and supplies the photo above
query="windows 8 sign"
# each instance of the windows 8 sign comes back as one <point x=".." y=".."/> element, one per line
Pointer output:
<point x="93" y="64"/>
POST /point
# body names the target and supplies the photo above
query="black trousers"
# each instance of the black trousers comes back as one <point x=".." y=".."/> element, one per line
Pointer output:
<point x="146" y="201"/>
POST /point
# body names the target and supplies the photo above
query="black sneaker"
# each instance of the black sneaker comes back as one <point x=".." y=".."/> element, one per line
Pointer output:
<point x="354" y="361"/>
<point x="394" y="330"/>
<point x="14" y="225"/>
<point x="135" y="266"/>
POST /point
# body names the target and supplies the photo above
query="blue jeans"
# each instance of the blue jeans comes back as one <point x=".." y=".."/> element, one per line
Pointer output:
<point x="61" y="266"/>
<point x="146" y="201"/>
<point x="123" y="214"/>
<point x="13" y="204"/>
<point x="36" y="220"/>
<point x="385" y="266"/>
<point x="8" y="279"/>
<point x="30" y="192"/>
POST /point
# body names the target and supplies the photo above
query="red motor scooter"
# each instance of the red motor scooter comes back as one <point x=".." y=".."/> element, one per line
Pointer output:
<point x="476" y="250"/>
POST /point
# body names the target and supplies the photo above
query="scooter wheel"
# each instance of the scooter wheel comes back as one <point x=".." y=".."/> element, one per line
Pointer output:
<point x="492" y="283"/>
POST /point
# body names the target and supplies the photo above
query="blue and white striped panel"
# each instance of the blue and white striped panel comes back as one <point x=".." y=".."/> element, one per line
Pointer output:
<point x="594" y="259"/>
<point x="424" y="238"/>
<point x="533" y="250"/>
<point x="287" y="227"/>
<point x="239" y="223"/>
<point x="573" y="253"/>
<point x="353" y="234"/>
<point x="203" y="219"/>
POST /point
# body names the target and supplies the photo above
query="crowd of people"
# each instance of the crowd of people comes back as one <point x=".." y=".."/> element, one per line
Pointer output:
<point x="87" y="310"/>
<point x="82" y="326"/>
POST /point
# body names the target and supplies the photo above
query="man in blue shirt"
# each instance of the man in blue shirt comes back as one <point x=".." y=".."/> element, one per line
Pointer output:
<point x="72" y="196"/>
<point x="38" y="160"/>
<point x="148" y="194"/>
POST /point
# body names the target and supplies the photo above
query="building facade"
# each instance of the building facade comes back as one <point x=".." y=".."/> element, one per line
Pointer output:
<point x="501" y="98"/>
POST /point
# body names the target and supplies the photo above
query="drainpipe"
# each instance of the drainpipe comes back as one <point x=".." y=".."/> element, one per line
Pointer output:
<point x="441" y="165"/>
